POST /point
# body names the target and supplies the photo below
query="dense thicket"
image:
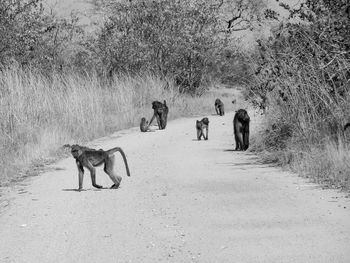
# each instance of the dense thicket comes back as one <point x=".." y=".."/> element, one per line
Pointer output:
<point x="301" y="77"/>
<point x="189" y="42"/>
<point x="31" y="36"/>
<point x="303" y="69"/>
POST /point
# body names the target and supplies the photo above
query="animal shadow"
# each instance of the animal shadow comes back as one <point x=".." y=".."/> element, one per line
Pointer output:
<point x="86" y="190"/>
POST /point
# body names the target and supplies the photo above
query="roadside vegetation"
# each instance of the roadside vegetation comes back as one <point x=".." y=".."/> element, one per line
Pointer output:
<point x="301" y="77"/>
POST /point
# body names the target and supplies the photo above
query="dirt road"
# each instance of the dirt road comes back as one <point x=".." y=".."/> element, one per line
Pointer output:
<point x="186" y="201"/>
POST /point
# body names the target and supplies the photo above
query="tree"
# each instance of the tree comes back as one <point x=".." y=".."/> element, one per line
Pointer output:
<point x="29" y="35"/>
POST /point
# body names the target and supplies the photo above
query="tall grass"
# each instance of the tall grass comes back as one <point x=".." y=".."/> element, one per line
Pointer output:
<point x="305" y="117"/>
<point x="38" y="114"/>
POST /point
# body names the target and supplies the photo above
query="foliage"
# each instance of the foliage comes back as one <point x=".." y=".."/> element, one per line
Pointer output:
<point x="191" y="42"/>
<point x="30" y="36"/>
<point x="187" y="41"/>
<point x="301" y="78"/>
<point x="305" y="67"/>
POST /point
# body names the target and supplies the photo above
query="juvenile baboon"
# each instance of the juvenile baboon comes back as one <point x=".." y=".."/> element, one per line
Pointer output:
<point x="241" y="129"/>
<point x="346" y="126"/>
<point x="200" y="126"/>
<point x="161" y="111"/>
<point x="219" y="107"/>
<point x="90" y="158"/>
<point x="144" y="125"/>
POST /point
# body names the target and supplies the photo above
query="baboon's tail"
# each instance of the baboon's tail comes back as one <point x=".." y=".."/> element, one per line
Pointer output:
<point x="118" y="149"/>
<point x="346" y="126"/>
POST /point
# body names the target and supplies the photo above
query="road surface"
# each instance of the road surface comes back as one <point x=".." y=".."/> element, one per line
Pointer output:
<point x="186" y="201"/>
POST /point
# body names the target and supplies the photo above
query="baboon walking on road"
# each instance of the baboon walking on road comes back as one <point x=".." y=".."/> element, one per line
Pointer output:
<point x="161" y="111"/>
<point x="200" y="126"/>
<point x="219" y="107"/>
<point x="241" y="129"/>
<point x="90" y="158"/>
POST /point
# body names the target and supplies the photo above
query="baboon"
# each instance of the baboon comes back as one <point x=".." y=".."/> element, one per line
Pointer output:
<point x="219" y="107"/>
<point x="200" y="126"/>
<point x="161" y="111"/>
<point x="233" y="101"/>
<point x="90" y="158"/>
<point x="346" y="126"/>
<point x="144" y="125"/>
<point x="241" y="129"/>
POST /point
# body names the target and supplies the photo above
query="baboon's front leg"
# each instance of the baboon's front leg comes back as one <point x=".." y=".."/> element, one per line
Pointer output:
<point x="198" y="134"/>
<point x="80" y="175"/>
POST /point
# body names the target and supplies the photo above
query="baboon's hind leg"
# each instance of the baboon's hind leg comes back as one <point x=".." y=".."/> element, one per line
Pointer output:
<point x="159" y="123"/>
<point x="109" y="165"/>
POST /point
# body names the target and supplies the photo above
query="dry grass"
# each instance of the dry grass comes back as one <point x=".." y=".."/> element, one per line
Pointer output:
<point x="308" y="141"/>
<point x="39" y="114"/>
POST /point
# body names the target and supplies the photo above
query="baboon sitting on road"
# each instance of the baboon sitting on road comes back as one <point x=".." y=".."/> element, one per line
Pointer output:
<point x="161" y="113"/>
<point x="241" y="129"/>
<point x="219" y="107"/>
<point x="90" y="158"/>
<point x="200" y="126"/>
<point x="144" y="125"/>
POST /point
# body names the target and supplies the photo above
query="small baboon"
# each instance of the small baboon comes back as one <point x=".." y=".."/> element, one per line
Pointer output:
<point x="233" y="101"/>
<point x="161" y="111"/>
<point x="90" y="158"/>
<point x="200" y="126"/>
<point x="346" y="126"/>
<point x="241" y="129"/>
<point x="219" y="107"/>
<point x="144" y="125"/>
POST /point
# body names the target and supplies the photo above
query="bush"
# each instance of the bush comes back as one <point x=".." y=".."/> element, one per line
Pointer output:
<point x="302" y="78"/>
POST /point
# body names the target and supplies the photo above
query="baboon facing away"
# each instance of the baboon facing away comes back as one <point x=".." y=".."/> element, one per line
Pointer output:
<point x="90" y="158"/>
<point x="219" y="107"/>
<point x="241" y="129"/>
<point x="200" y="126"/>
<point x="161" y="111"/>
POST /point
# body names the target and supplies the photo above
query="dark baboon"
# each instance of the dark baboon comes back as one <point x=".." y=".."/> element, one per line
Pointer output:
<point x="241" y="129"/>
<point x="219" y="107"/>
<point x="161" y="111"/>
<point x="90" y="158"/>
<point x="200" y="126"/>
<point x="346" y="126"/>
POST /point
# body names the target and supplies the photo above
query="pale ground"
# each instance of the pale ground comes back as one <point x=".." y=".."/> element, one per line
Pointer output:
<point x="186" y="201"/>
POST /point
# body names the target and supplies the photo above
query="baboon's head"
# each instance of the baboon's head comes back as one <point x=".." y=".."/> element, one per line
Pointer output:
<point x="156" y="105"/>
<point x="243" y="116"/>
<point x="76" y="150"/>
